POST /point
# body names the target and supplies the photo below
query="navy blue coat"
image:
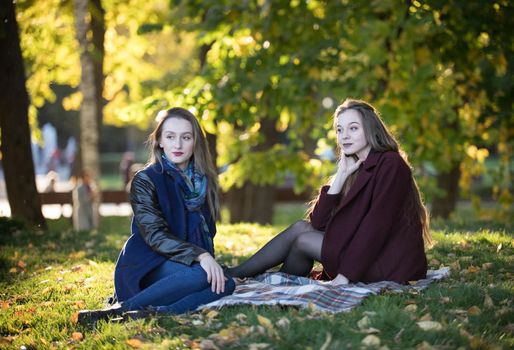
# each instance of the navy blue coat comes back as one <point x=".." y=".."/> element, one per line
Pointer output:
<point x="159" y="230"/>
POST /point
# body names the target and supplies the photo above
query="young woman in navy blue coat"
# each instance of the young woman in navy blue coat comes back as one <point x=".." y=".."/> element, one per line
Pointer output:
<point x="167" y="264"/>
<point x="368" y="223"/>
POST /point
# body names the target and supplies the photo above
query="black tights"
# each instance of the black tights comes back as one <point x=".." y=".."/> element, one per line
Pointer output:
<point x="296" y="248"/>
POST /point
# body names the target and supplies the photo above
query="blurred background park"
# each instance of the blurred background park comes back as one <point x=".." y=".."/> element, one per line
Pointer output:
<point x="83" y="81"/>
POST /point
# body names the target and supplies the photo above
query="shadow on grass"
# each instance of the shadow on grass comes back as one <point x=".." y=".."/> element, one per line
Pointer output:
<point x="20" y="246"/>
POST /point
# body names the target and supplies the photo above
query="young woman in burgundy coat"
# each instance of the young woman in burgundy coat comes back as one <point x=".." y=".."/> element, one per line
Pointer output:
<point x="367" y="224"/>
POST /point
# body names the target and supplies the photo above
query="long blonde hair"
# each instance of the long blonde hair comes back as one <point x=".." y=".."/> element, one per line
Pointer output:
<point x="202" y="157"/>
<point x="381" y="140"/>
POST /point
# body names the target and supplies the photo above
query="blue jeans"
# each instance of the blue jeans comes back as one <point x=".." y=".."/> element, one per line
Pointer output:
<point x="176" y="288"/>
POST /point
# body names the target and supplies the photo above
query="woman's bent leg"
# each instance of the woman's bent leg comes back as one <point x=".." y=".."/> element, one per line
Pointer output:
<point x="273" y="253"/>
<point x="192" y="301"/>
<point x="167" y="284"/>
<point x="306" y="249"/>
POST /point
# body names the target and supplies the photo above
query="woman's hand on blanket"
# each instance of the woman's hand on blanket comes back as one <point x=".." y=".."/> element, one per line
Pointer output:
<point x="214" y="272"/>
<point x="340" y="280"/>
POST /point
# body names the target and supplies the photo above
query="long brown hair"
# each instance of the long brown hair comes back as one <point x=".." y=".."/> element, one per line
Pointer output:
<point x="381" y="140"/>
<point x="202" y="157"/>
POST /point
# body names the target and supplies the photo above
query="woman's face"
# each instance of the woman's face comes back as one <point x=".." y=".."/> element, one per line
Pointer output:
<point x="350" y="134"/>
<point x="177" y="141"/>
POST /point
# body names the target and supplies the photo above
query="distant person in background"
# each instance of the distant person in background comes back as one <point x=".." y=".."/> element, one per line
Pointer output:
<point x="134" y="168"/>
<point x="51" y="179"/>
<point x="84" y="208"/>
<point x="125" y="167"/>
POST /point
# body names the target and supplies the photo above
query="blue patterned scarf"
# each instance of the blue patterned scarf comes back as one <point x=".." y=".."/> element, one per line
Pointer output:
<point x="194" y="187"/>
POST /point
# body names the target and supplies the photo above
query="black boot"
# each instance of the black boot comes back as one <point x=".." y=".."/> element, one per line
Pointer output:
<point x="86" y="317"/>
<point x="138" y="314"/>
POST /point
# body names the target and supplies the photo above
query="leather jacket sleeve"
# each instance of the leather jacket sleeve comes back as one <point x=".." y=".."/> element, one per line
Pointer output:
<point x="152" y="225"/>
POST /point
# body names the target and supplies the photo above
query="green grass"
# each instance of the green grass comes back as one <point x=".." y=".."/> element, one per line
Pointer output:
<point x="45" y="278"/>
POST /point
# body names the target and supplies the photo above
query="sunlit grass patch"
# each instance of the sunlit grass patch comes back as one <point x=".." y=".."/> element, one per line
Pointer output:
<point x="47" y="277"/>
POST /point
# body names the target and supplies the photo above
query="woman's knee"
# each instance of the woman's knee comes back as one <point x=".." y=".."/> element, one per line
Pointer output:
<point x="308" y="243"/>
<point x="230" y="286"/>
<point x="302" y="226"/>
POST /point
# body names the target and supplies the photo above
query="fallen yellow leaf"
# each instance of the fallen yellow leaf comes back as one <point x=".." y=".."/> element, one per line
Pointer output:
<point x="75" y="317"/>
<point x="429" y="325"/>
<point x="283" y="322"/>
<point x="473" y="269"/>
<point x="474" y="311"/>
<point x="266" y="323"/>
<point x="371" y="340"/>
<point x="134" y="343"/>
<point x="426" y="317"/>
<point x="488" y="302"/>
<point x="77" y="336"/>
<point x="487" y="265"/>
<point x="212" y="314"/>
<point x="207" y="344"/>
<point x="411" y="308"/>
<point x="257" y="346"/>
<point x="425" y="346"/>
<point x="363" y="323"/>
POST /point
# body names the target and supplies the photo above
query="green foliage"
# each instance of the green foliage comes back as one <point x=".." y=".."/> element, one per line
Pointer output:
<point x="435" y="70"/>
<point x="53" y="275"/>
<point x="265" y="77"/>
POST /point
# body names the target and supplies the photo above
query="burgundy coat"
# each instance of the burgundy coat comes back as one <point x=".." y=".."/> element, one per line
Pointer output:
<point x="371" y="234"/>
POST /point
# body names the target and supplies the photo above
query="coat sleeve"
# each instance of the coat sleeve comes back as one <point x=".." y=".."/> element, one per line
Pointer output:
<point x="389" y="195"/>
<point x="323" y="208"/>
<point x="152" y="225"/>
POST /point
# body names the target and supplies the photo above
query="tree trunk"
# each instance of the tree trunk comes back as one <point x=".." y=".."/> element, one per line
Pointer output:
<point x="449" y="182"/>
<point x="90" y="109"/>
<point x="255" y="203"/>
<point x="14" y="123"/>
<point x="211" y="138"/>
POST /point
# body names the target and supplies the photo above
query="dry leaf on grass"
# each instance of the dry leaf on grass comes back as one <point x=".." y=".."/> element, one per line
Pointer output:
<point x="75" y="317"/>
<point x="445" y="300"/>
<point x="474" y="311"/>
<point x="425" y="346"/>
<point x="134" y="343"/>
<point x="411" y="308"/>
<point x="426" y="317"/>
<point x="212" y="314"/>
<point x="429" y="325"/>
<point x="266" y="323"/>
<point x="371" y="340"/>
<point x="77" y="336"/>
<point x="241" y="318"/>
<point x="487" y="265"/>
<point x="488" y="302"/>
<point x="258" y="346"/>
<point x="283" y="322"/>
<point x="76" y="268"/>
<point x="207" y="344"/>
<point x="363" y="323"/>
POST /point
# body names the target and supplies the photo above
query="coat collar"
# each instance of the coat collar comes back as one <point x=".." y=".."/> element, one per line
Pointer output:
<point x="362" y="179"/>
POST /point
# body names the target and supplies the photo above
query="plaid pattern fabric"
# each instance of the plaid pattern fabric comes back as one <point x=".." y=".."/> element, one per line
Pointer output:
<point x="282" y="289"/>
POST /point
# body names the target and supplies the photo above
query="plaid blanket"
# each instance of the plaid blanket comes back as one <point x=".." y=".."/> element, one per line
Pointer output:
<point x="283" y="289"/>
